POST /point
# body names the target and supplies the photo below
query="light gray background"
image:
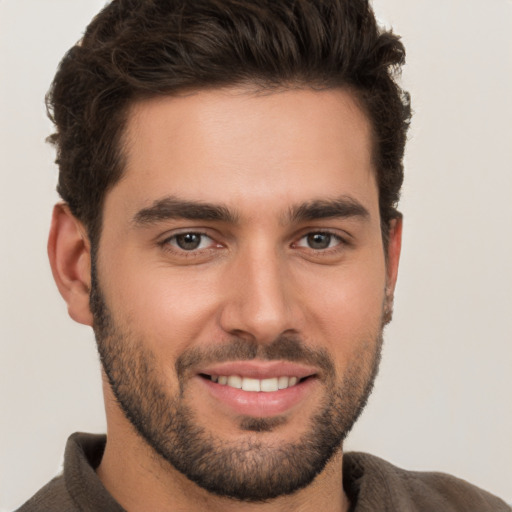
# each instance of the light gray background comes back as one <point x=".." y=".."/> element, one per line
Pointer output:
<point x="443" y="397"/>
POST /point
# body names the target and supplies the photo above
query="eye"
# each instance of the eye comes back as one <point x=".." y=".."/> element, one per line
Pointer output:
<point x="190" y="241"/>
<point x="319" y="241"/>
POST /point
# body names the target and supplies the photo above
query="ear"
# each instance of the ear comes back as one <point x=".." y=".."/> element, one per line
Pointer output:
<point x="393" y="253"/>
<point x="392" y="258"/>
<point x="70" y="259"/>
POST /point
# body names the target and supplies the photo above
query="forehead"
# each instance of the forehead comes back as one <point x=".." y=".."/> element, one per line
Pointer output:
<point x="246" y="149"/>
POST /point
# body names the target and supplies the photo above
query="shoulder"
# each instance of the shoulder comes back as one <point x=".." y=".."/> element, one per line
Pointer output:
<point x="78" y="488"/>
<point x="53" y="496"/>
<point x="374" y="482"/>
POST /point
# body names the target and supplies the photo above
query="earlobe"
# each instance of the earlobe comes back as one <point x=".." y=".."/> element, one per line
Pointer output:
<point x="70" y="260"/>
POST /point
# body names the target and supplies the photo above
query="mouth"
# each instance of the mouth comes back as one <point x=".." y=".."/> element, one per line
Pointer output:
<point x="259" y="388"/>
<point x="254" y="385"/>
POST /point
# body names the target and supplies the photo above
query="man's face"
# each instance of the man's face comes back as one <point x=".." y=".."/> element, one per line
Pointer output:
<point x="240" y="283"/>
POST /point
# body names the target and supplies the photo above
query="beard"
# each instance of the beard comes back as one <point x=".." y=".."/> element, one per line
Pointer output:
<point x="252" y="470"/>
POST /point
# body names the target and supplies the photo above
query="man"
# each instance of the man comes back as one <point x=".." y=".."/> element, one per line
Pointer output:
<point x="230" y="172"/>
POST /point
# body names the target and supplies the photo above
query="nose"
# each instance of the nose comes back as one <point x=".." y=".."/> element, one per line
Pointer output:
<point x="259" y="302"/>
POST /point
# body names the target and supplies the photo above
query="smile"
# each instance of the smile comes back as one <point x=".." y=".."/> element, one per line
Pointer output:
<point x="258" y="388"/>
<point x="255" y="385"/>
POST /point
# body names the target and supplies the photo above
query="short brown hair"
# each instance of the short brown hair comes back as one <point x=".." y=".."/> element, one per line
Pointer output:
<point x="143" y="48"/>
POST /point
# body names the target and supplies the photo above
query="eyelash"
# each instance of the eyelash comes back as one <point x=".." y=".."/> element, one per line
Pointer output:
<point x="340" y="241"/>
<point x="167" y="246"/>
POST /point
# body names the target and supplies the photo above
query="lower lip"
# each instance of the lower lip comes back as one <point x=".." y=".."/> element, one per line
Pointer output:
<point x="260" y="404"/>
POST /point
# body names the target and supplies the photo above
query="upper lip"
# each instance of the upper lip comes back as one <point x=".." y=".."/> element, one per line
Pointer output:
<point x="260" y="369"/>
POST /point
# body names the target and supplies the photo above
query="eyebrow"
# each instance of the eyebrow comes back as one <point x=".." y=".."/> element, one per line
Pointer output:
<point x="341" y="207"/>
<point x="173" y="208"/>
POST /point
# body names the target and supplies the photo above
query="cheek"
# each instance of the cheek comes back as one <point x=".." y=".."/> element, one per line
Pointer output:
<point x="166" y="309"/>
<point x="346" y="306"/>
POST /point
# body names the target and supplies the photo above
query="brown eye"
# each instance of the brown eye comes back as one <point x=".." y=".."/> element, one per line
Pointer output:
<point x="319" y="240"/>
<point x="190" y="241"/>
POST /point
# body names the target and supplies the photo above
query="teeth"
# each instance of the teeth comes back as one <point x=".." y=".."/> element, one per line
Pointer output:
<point x="235" y="381"/>
<point x="251" y="384"/>
<point x="283" y="382"/>
<point x="269" y="385"/>
<point x="255" y="385"/>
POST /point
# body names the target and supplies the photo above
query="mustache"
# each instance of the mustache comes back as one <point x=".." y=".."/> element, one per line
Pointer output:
<point x="283" y="348"/>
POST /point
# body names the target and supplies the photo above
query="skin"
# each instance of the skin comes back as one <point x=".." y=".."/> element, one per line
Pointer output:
<point x="257" y="155"/>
